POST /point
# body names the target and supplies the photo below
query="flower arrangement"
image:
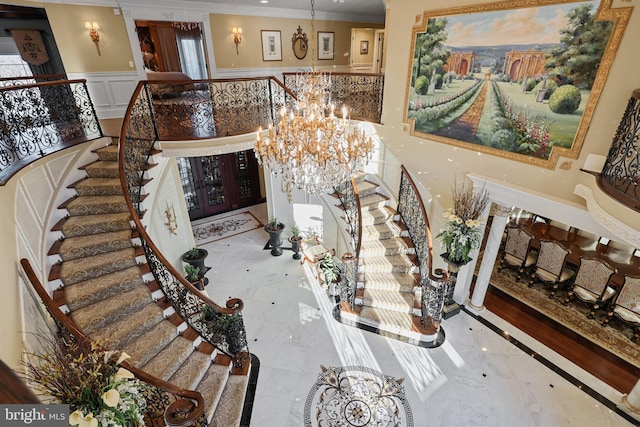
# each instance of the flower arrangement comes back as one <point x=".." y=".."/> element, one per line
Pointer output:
<point x="462" y="233"/>
<point x="99" y="391"/>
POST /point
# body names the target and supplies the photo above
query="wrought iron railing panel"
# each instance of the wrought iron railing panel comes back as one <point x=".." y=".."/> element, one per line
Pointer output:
<point x="361" y="93"/>
<point x="348" y="194"/>
<point x="434" y="286"/>
<point x="622" y="168"/>
<point x="38" y="119"/>
<point x="215" y="108"/>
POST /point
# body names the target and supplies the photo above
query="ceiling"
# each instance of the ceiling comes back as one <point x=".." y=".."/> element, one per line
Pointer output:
<point x="373" y="10"/>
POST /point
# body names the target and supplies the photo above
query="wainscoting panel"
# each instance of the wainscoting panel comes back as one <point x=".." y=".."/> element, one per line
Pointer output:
<point x="110" y="92"/>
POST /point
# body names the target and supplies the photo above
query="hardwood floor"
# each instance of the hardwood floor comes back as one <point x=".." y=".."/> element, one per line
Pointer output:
<point x="609" y="368"/>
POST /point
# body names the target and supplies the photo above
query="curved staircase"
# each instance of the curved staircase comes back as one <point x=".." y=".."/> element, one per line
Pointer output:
<point x="388" y="291"/>
<point x="105" y="286"/>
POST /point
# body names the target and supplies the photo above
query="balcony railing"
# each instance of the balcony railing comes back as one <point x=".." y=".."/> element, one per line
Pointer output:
<point x="215" y="108"/>
<point x="433" y="284"/>
<point x="26" y="80"/>
<point x="41" y="118"/>
<point x="361" y="92"/>
<point x="620" y="176"/>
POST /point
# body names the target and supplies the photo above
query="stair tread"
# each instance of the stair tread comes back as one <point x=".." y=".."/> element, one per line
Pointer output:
<point x="229" y="409"/>
<point x="212" y="385"/>
<point x="97" y="186"/>
<point x="119" y="306"/>
<point x="94" y="224"/>
<point x="88" y="292"/>
<point x="96" y="205"/>
<point x="147" y="345"/>
<point x="390" y="300"/>
<point x="169" y="359"/>
<point x="193" y="369"/>
<point x="81" y="269"/>
<point x="387" y="318"/>
<point x="123" y="331"/>
<point x="93" y="244"/>
<point x="389" y="281"/>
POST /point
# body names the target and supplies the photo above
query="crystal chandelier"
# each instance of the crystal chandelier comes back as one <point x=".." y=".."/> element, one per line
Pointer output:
<point x="310" y="148"/>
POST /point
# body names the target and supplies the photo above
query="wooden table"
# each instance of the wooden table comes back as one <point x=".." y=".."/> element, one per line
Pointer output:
<point x="580" y="246"/>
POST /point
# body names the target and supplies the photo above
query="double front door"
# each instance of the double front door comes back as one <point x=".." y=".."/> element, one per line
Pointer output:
<point x="220" y="183"/>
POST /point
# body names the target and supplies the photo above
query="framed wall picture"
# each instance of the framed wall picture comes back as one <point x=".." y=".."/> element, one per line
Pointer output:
<point x="271" y="45"/>
<point x="325" y="45"/>
<point x="364" y="47"/>
<point x="495" y="89"/>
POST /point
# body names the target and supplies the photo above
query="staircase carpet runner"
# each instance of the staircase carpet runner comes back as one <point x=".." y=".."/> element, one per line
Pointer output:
<point x="105" y="293"/>
<point x="389" y="274"/>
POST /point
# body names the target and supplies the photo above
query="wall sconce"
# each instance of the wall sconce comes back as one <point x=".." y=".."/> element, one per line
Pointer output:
<point x="237" y="37"/>
<point x="171" y="223"/>
<point x="93" y="28"/>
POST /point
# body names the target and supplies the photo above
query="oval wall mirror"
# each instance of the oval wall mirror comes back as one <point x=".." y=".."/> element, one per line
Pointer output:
<point x="299" y="43"/>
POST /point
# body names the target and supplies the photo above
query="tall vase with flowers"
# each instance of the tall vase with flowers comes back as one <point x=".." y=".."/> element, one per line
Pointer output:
<point x="99" y="391"/>
<point x="462" y="234"/>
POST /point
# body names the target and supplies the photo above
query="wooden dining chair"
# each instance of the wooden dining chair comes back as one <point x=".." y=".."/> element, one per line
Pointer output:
<point x="550" y="266"/>
<point x="626" y="305"/>
<point x="517" y="252"/>
<point x="591" y="284"/>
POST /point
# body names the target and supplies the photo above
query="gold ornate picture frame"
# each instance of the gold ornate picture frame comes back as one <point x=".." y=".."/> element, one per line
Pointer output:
<point x="502" y="78"/>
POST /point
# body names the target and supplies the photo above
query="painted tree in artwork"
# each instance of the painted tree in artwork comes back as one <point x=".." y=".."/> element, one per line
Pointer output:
<point x="430" y="52"/>
<point x="582" y="43"/>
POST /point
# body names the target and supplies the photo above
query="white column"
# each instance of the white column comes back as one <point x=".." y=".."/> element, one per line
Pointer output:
<point x="631" y="401"/>
<point x="500" y="217"/>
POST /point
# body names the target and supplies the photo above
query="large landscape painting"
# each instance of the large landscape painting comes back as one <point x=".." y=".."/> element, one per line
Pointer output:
<point x="516" y="79"/>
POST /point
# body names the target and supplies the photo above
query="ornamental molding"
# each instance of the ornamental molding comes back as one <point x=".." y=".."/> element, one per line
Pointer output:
<point x="627" y="233"/>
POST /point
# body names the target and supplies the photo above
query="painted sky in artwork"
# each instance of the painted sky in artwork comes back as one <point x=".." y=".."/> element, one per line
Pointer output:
<point x="531" y="25"/>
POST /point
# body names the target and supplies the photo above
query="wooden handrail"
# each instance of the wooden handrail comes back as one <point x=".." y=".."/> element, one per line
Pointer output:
<point x="359" y="241"/>
<point x="440" y="274"/>
<point x="65" y="321"/>
<point x="41" y="84"/>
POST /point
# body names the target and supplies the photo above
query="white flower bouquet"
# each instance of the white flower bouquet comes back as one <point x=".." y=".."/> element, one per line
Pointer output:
<point x="99" y="391"/>
<point x="463" y="233"/>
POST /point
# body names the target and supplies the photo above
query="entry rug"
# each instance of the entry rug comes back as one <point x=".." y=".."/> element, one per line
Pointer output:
<point x="615" y="338"/>
<point x="356" y="396"/>
<point x="220" y="228"/>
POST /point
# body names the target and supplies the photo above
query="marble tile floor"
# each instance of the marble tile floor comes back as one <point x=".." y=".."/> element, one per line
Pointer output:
<point x="476" y="378"/>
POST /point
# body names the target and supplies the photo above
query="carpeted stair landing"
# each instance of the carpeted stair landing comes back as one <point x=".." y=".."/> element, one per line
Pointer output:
<point x="100" y="275"/>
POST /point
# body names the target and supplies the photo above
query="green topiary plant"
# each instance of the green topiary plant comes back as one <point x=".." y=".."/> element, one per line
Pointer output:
<point x="421" y="86"/>
<point x="565" y="100"/>
<point x="550" y="87"/>
<point x="192" y="273"/>
<point x="193" y="253"/>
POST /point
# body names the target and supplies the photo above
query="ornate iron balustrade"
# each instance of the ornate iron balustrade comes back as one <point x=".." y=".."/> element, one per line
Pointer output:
<point x="621" y="173"/>
<point x="361" y="92"/>
<point x="215" y="108"/>
<point x="161" y="397"/>
<point x="434" y="285"/>
<point x="348" y="194"/>
<point x="39" y="119"/>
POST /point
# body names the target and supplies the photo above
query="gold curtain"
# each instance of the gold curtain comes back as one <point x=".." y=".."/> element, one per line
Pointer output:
<point x="169" y="48"/>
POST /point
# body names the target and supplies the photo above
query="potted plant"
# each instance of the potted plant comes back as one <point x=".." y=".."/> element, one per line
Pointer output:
<point x="275" y="229"/>
<point x="295" y="240"/>
<point x="226" y="328"/>
<point x="192" y="274"/>
<point x="329" y="272"/>
<point x="196" y="257"/>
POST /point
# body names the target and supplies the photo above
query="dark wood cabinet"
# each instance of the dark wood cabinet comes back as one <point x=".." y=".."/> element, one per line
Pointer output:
<point x="219" y="183"/>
